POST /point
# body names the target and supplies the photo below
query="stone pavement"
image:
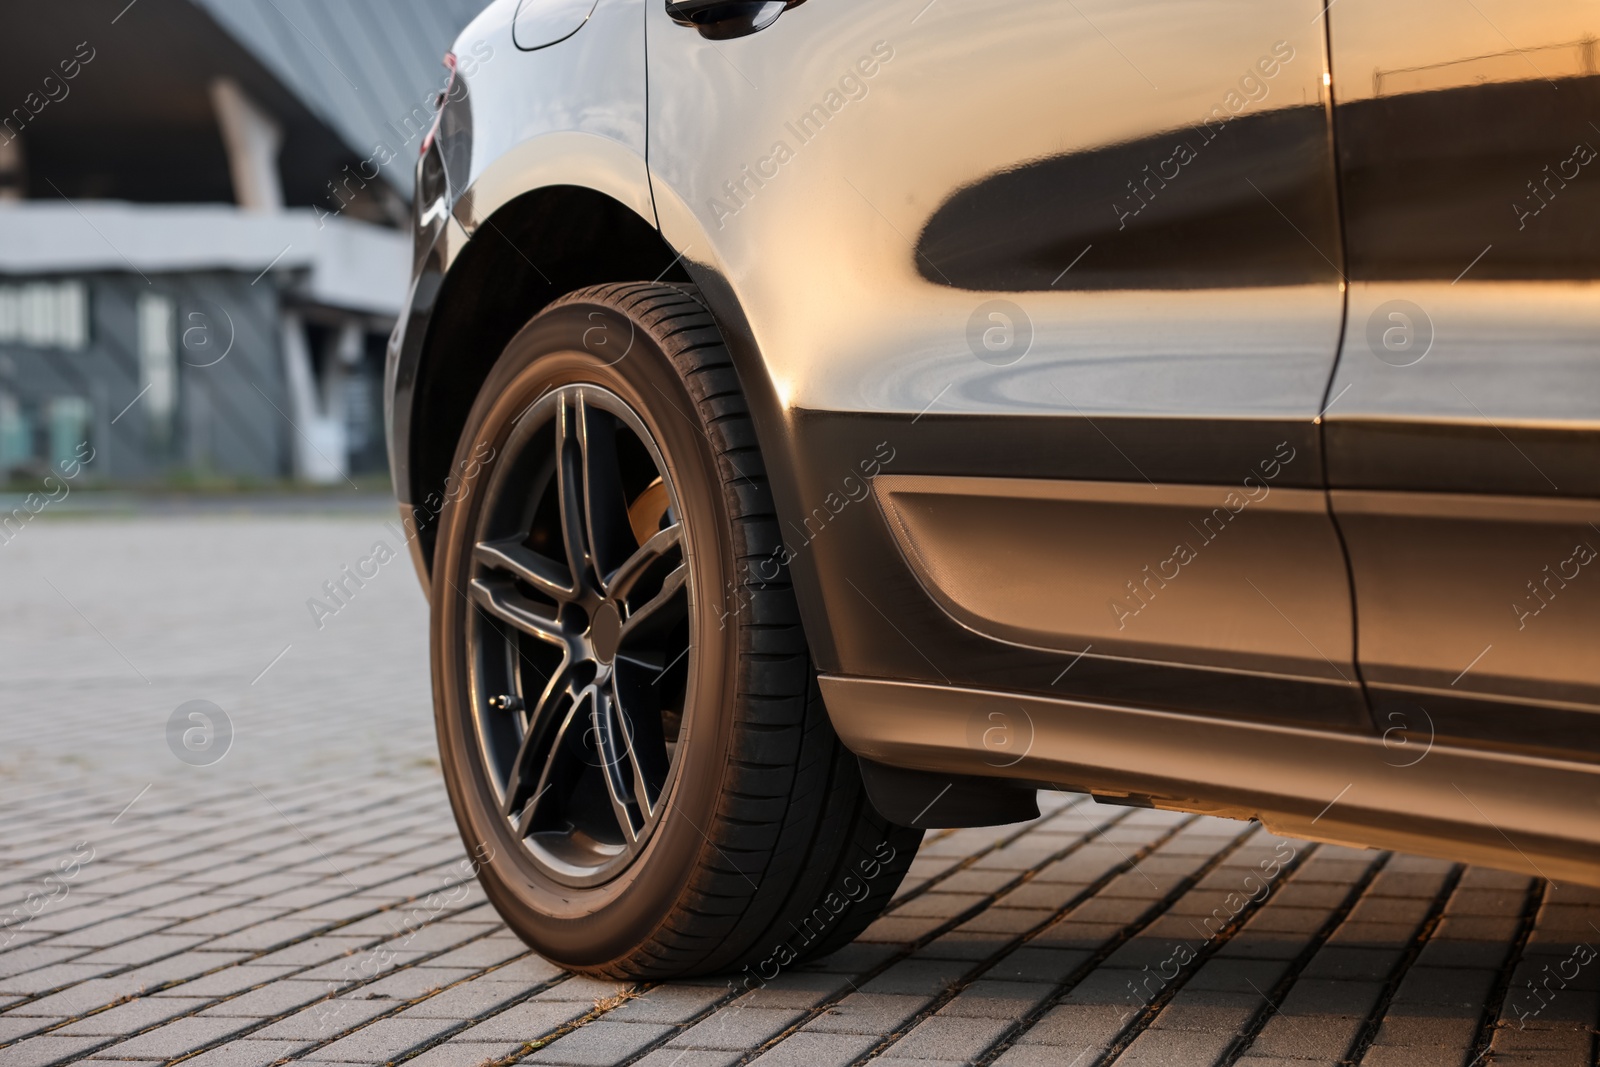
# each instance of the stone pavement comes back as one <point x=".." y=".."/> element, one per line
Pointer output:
<point x="305" y="896"/>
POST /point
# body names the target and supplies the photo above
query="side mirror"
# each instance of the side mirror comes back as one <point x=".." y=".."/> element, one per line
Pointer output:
<point x="723" y="20"/>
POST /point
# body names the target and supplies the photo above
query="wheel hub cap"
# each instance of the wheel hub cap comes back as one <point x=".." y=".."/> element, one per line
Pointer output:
<point x="604" y="633"/>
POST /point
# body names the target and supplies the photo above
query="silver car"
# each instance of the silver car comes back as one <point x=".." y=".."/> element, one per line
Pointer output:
<point x="822" y="421"/>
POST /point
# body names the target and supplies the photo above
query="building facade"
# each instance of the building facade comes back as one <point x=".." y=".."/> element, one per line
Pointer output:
<point x="202" y="248"/>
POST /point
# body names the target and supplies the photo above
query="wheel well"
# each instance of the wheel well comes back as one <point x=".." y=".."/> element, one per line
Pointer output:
<point x="534" y="249"/>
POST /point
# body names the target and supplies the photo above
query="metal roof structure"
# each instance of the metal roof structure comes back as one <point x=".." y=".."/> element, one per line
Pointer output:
<point x="361" y="66"/>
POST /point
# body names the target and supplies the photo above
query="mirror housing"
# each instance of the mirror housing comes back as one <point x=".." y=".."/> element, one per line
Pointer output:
<point x="723" y="20"/>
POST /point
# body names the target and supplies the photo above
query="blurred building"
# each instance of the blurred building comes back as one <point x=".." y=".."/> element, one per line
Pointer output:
<point x="202" y="230"/>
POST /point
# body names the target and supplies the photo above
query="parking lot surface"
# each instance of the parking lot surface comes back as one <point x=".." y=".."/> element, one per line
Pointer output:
<point x="279" y="879"/>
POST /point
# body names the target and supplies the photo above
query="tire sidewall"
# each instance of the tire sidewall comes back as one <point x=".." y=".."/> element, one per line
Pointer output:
<point x="588" y="928"/>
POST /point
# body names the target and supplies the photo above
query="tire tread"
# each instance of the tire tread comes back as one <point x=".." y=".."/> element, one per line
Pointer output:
<point x="793" y="820"/>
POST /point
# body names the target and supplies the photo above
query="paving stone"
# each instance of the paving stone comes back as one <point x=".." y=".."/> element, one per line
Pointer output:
<point x="1490" y="902"/>
<point x="1143" y="884"/>
<point x="469" y="1000"/>
<point x="867" y="1013"/>
<point x="1446" y="954"/>
<point x="1398" y="910"/>
<point x="1175" y="1048"/>
<point x="587" y="990"/>
<point x="177" y="1038"/>
<point x="795" y="989"/>
<point x="944" y="1037"/>
<point x="1238" y="976"/>
<point x="1302" y="921"/>
<point x="1353" y="964"/>
<point x="362" y="964"/>
<point x="1499" y="929"/>
<point x="1325" y="1036"/>
<point x="383" y="1040"/>
<point x="530" y="970"/>
<point x="1208" y="1010"/>
<point x="856" y="958"/>
<point x="228" y="981"/>
<point x="1036" y="964"/>
<point x="48" y="1049"/>
<point x="133" y="1016"/>
<point x="528" y="1021"/>
<point x="1115" y="911"/>
<point x="1392" y="937"/>
<point x="1391" y="882"/>
<point x="1015" y="921"/>
<point x="1322" y="996"/>
<point x="248" y="1052"/>
<point x="1461" y="986"/>
<point x="324" y="1020"/>
<point x="313" y="951"/>
<point x="16" y="1027"/>
<point x="182" y="967"/>
<point x="1072" y="934"/>
<point x="1325" y="868"/>
<point x="410" y="983"/>
<point x="55" y="977"/>
<point x="1160" y="954"/>
<point x="920" y="977"/>
<point x="938" y="905"/>
<point x="456" y="1053"/>
<point x="1320" y="896"/>
<point x="1262" y="945"/>
<point x="1052" y="897"/>
<point x="1414" y="1056"/>
<point x="1412" y="1030"/>
<point x="600" y="1044"/>
<point x="979" y="882"/>
<point x="686" y="1057"/>
<point x="807" y="1049"/>
<point x="270" y="1001"/>
<point x="1129" y="990"/>
<point x="1074" y="1033"/>
<point x="233" y="918"/>
<point x="961" y="945"/>
<point x="667" y="1004"/>
<point x="81" y="998"/>
<point x="991" y="999"/>
<point x="898" y="929"/>
<point x="143" y="949"/>
<point x="111" y="932"/>
<point x="485" y="953"/>
<point x="738" y="1027"/>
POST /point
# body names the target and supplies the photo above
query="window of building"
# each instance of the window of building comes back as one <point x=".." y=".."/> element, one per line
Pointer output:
<point x="16" y="435"/>
<point x="158" y="361"/>
<point x="45" y="314"/>
<point x="69" y="427"/>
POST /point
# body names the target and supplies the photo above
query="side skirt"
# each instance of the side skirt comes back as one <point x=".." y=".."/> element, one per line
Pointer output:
<point x="1541" y="816"/>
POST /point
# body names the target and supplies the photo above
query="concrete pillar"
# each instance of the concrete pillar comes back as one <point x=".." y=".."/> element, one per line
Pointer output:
<point x="252" y="139"/>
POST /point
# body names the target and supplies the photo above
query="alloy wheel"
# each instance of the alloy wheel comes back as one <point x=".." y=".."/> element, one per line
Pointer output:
<point x="580" y="650"/>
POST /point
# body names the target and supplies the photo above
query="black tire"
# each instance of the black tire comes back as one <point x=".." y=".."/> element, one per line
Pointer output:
<point x="754" y="844"/>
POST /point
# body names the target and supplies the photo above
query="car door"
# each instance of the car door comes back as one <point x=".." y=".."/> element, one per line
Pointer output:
<point x="1464" y="430"/>
<point x="1062" y="277"/>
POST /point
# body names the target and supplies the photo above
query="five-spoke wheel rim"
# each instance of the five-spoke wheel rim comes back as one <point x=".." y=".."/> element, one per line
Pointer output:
<point x="580" y="650"/>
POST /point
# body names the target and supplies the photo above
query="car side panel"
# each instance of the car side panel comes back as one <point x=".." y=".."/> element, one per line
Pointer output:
<point x="1464" y="432"/>
<point x="1091" y="243"/>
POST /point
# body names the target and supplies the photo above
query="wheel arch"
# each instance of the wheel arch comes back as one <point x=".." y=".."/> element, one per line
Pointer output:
<point x="534" y="248"/>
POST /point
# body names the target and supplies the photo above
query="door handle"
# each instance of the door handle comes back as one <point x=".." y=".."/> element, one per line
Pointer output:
<point x="722" y="20"/>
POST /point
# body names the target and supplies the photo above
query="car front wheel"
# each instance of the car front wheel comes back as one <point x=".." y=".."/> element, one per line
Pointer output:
<point x="628" y="717"/>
